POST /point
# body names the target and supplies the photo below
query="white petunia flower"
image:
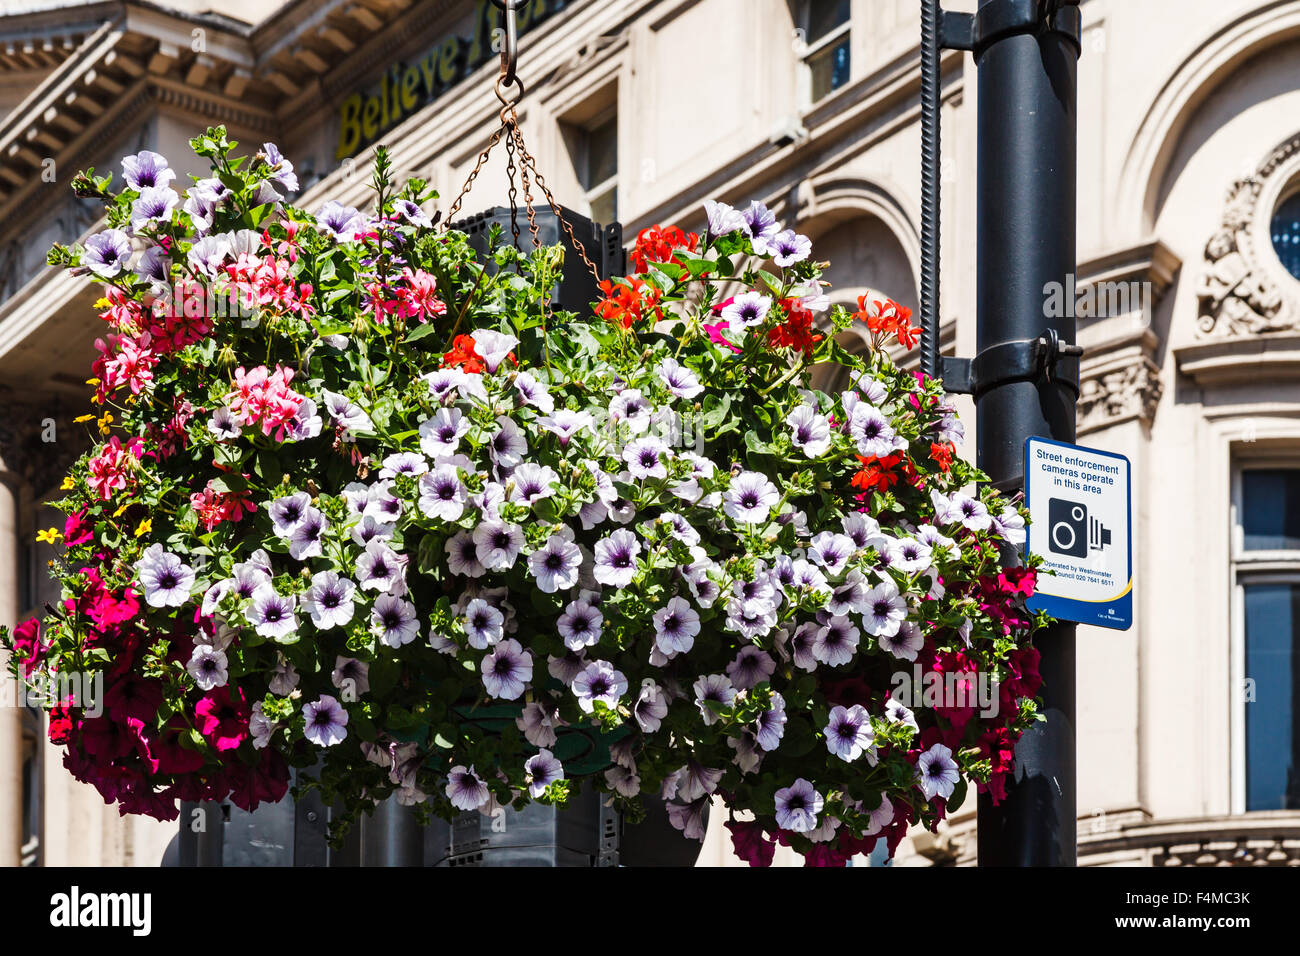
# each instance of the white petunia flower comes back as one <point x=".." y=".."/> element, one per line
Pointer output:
<point x="809" y="431"/>
<point x="937" y="773"/>
<point x="555" y="564"/>
<point x="750" y="498"/>
<point x="207" y="666"/>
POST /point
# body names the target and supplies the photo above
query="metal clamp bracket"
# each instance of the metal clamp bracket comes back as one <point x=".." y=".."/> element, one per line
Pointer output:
<point x="995" y="21"/>
<point x="1023" y="360"/>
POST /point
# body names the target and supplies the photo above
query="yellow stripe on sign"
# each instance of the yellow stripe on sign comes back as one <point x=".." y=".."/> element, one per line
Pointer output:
<point x="1083" y="601"/>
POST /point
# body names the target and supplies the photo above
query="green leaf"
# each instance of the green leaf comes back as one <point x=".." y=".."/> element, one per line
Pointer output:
<point x="696" y="266"/>
<point x="420" y="332"/>
<point x="384" y="673"/>
<point x="229" y="483"/>
<point x="672" y="270"/>
<point x="267" y="467"/>
<point x="755" y="444"/>
<point x="958" y="796"/>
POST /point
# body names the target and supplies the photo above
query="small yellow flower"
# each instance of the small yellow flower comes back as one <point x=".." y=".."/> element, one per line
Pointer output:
<point x="118" y="512"/>
<point x="102" y="303"/>
<point x="68" y="484"/>
<point x="105" y="420"/>
<point x="49" y="535"/>
<point x="83" y="418"/>
<point x="92" y="381"/>
<point x="144" y="527"/>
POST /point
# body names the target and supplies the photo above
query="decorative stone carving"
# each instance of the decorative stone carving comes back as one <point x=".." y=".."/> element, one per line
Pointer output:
<point x="1276" y="852"/>
<point x="1242" y="290"/>
<point x="1132" y="391"/>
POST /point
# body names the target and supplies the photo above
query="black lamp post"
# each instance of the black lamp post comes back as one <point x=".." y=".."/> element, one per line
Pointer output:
<point x="1024" y="378"/>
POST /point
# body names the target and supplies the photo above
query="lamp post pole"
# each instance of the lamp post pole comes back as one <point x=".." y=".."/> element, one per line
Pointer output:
<point x="1025" y="375"/>
<point x="1027" y="137"/>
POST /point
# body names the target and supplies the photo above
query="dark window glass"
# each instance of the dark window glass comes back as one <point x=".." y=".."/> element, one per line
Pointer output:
<point x="602" y="154"/>
<point x="830" y="69"/>
<point x="1270" y="506"/>
<point x="824" y="16"/>
<point x="1272" y="628"/>
<point x="1286" y="234"/>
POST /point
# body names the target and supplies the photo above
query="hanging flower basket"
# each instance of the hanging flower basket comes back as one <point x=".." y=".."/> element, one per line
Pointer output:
<point x="359" y="502"/>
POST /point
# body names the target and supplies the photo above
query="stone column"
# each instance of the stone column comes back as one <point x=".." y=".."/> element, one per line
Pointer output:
<point x="11" y="761"/>
<point x="38" y="441"/>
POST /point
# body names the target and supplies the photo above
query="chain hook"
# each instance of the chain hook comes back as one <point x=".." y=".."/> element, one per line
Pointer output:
<point x="510" y="43"/>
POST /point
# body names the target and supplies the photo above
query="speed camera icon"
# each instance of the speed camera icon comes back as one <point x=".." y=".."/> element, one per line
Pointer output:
<point x="1072" y="531"/>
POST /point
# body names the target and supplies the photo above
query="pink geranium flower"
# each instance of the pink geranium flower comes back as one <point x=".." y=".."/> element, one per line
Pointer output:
<point x="264" y="396"/>
<point x="417" y="299"/>
<point x="110" y="469"/>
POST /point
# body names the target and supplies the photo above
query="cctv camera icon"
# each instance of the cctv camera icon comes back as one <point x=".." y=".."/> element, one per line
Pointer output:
<point x="1071" y="531"/>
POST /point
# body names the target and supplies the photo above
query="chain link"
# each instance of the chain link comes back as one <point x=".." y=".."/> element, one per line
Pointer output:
<point x="473" y="175"/>
<point x="531" y="163"/>
<point x="516" y="149"/>
<point x="511" y="146"/>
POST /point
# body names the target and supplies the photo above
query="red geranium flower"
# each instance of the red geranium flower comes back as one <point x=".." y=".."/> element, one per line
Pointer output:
<point x="796" y="331"/>
<point x="463" y="355"/>
<point x="877" y="473"/>
<point x="885" y="317"/>
<point x="628" y="304"/>
<point x="657" y="244"/>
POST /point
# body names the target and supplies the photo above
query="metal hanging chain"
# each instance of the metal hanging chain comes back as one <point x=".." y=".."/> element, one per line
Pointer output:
<point x="473" y="175"/>
<point x="511" y="146"/>
<point x="930" y="187"/>
<point x="531" y="164"/>
<point x="526" y="180"/>
<point x="515" y="147"/>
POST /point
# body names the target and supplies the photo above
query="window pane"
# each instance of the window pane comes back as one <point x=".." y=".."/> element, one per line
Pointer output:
<point x="830" y="69"/>
<point x="1270" y="508"/>
<point x="604" y="207"/>
<point x="1286" y="234"/>
<point x="602" y="154"/>
<point x="1272" y="627"/>
<point x="824" y="16"/>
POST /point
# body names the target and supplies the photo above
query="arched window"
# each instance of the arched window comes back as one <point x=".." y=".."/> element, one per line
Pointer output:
<point x="1285" y="230"/>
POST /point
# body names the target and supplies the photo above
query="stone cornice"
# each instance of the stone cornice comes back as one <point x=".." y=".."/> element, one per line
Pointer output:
<point x="1119" y="377"/>
<point x="1242" y="361"/>
<point x="1131" y="836"/>
<point x="1150" y="261"/>
<point x="1250" y="839"/>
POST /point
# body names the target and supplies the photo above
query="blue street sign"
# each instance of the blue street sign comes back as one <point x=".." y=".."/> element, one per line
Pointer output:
<point x="1081" y="524"/>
